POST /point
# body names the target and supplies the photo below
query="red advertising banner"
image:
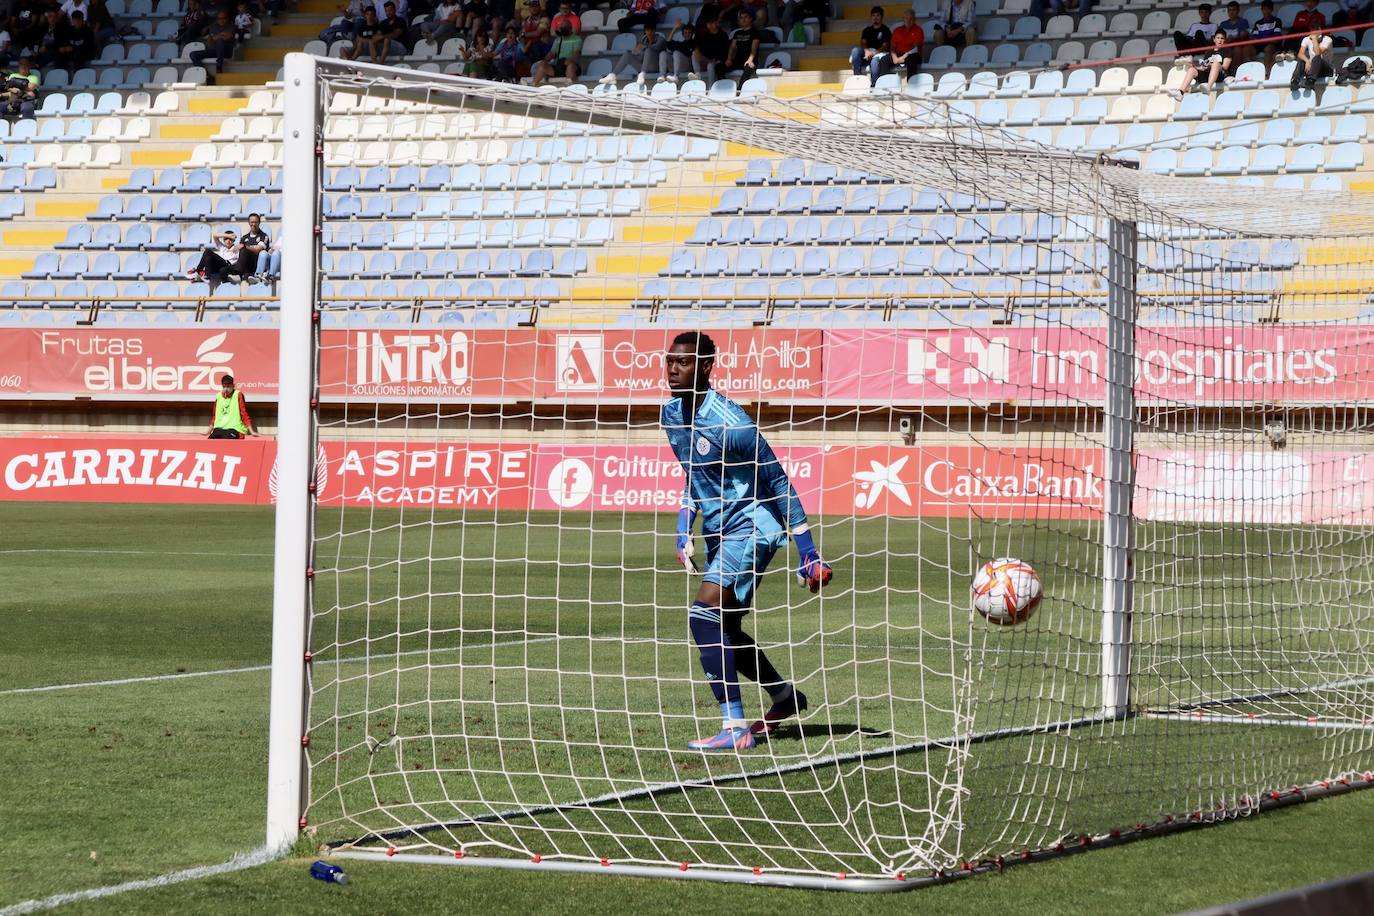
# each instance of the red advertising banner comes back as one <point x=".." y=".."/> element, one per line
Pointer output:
<point x="150" y="363"/>
<point x="620" y="366"/>
<point x="1068" y="365"/>
<point x="1248" y="487"/>
<point x="437" y="364"/>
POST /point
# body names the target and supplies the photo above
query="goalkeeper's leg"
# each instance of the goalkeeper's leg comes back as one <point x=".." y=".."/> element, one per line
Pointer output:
<point x="753" y="663"/>
<point x="718" y="662"/>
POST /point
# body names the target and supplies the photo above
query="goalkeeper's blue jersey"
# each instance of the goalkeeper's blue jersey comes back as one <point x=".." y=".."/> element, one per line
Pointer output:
<point x="733" y="477"/>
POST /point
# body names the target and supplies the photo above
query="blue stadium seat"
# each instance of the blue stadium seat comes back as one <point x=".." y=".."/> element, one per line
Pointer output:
<point x="107" y="236"/>
<point x="134" y="267"/>
<point x="1346" y="157"/>
<point x="196" y="237"/>
<point x="169" y="208"/>
<point x="72" y="266"/>
<point x="142" y="179"/>
<point x="106" y="265"/>
<point x="78" y="234"/>
<point x="1268" y="160"/>
<point x="258" y="180"/>
<point x="139" y="236"/>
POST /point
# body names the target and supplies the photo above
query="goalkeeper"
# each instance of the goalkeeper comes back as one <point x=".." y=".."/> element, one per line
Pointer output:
<point x="748" y="506"/>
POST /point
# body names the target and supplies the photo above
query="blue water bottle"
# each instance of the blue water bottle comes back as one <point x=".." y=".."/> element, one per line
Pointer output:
<point x="328" y="872"/>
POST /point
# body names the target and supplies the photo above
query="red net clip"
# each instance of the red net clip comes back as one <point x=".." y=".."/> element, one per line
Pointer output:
<point x="309" y="657"/>
<point x="302" y="822"/>
<point x="683" y="867"/>
<point x="391" y="850"/>
<point x="457" y="853"/>
<point x="605" y="863"/>
<point x="536" y="858"/>
<point x="757" y="871"/>
<point x="305" y="740"/>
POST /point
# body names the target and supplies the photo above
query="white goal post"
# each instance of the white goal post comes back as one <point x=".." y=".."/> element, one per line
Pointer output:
<point x="962" y="342"/>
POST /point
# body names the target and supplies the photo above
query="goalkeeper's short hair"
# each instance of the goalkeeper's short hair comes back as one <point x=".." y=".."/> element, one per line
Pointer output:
<point x="699" y="341"/>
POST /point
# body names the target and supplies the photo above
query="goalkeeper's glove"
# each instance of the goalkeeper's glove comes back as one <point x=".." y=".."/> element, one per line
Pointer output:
<point x="812" y="571"/>
<point x="685" y="549"/>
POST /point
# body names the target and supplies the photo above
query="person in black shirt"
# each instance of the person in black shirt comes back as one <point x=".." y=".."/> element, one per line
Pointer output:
<point x="744" y="46"/>
<point x="53" y="40"/>
<point x="393" y="31"/>
<point x="80" y="46"/>
<point x="367" y="36"/>
<point x="253" y="243"/>
<point x="711" y="48"/>
<point x="675" y="60"/>
<point x="219" y="41"/>
<point x="874" y="53"/>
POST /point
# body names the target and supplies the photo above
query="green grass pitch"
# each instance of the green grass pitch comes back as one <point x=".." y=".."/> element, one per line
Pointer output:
<point x="108" y="783"/>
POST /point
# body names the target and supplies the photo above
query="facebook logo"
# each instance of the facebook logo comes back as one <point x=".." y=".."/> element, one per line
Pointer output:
<point x="579" y="364"/>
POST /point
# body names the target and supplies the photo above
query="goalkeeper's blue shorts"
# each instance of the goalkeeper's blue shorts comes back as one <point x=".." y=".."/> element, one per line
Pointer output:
<point x="738" y="561"/>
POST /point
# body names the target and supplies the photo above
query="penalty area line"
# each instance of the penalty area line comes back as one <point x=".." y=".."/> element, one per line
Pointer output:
<point x="239" y="862"/>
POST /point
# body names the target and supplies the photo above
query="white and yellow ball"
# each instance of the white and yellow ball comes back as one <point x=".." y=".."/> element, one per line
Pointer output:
<point x="1006" y="591"/>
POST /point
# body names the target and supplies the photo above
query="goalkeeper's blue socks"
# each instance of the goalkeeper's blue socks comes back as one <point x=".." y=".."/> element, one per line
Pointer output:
<point x="718" y="663"/>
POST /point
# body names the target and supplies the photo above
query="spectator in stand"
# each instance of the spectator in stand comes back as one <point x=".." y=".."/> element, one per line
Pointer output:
<point x="744" y="47"/>
<point x="505" y="59"/>
<point x="564" y="57"/>
<point x="5" y="41"/>
<point x="642" y="58"/>
<point x="21" y="91"/>
<point x="1200" y="33"/>
<point x="794" y="11"/>
<point x="219" y="42"/>
<point x="475" y="14"/>
<point x="28" y="28"/>
<point x="367" y="36"/>
<point x="565" y="14"/>
<point x="531" y="22"/>
<point x="218" y="261"/>
<point x="76" y="6"/>
<point x="1353" y="13"/>
<point x="1236" y="28"/>
<point x="535" y="49"/>
<point x="53" y="39"/>
<point x="477" y="58"/>
<point x="243" y="23"/>
<point x="1215" y="62"/>
<point x="80" y="47"/>
<point x="908" y="42"/>
<point x="99" y="19"/>
<point x="393" y="29"/>
<point x="445" y="23"/>
<point x="1308" y="19"/>
<point x="193" y="23"/>
<point x="874" y="52"/>
<point x="1268" y="27"/>
<point x="252" y="246"/>
<point x="675" y="60"/>
<point x="351" y="14"/>
<point x="712" y="48"/>
<point x="230" y="419"/>
<point x="641" y="12"/>
<point x="1314" y="61"/>
<point x="956" y="24"/>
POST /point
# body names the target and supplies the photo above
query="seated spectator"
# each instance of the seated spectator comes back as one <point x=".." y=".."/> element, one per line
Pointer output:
<point x="642" y="58"/>
<point x="21" y="91"/>
<point x="505" y="58"/>
<point x="1200" y="33"/>
<point x="53" y="39"/>
<point x="1269" y="28"/>
<point x="1236" y="28"/>
<point x="477" y="56"/>
<point x="252" y="246"/>
<point x="475" y="14"/>
<point x="218" y="261"/>
<point x="535" y="49"/>
<point x="76" y="6"/>
<point x="908" y="42"/>
<point x="80" y="48"/>
<point x="530" y="22"/>
<point x="352" y="13"/>
<point x="243" y="23"/>
<point x="193" y="24"/>
<point x="712" y="48"/>
<point x="393" y="28"/>
<point x="219" y="42"/>
<point x="565" y="14"/>
<point x="874" y="52"/>
<point x="794" y="11"/>
<point x="1314" y="61"/>
<point x="100" y="21"/>
<point x="1308" y="19"/>
<point x="5" y="42"/>
<point x="445" y="23"/>
<point x="1353" y="13"/>
<point x="564" y="56"/>
<point x="1214" y="62"/>
<point x="956" y="24"/>
<point x="641" y="12"/>
<point x="675" y="60"/>
<point x="269" y="264"/>
<point x="744" y="47"/>
<point x="28" y="28"/>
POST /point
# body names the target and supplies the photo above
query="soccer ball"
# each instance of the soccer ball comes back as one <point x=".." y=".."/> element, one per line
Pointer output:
<point x="1006" y="591"/>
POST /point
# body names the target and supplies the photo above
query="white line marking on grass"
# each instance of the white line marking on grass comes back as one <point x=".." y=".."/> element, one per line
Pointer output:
<point x="239" y="862"/>
<point x="181" y="675"/>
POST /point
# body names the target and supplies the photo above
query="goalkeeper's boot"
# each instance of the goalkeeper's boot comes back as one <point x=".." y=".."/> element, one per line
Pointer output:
<point x="783" y="709"/>
<point x="729" y="739"/>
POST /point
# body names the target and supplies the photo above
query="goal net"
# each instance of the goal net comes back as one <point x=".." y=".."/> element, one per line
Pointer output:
<point x="961" y="342"/>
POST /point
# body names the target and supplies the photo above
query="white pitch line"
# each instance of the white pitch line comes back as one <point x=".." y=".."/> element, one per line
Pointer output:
<point x="181" y="675"/>
<point x="239" y="862"/>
